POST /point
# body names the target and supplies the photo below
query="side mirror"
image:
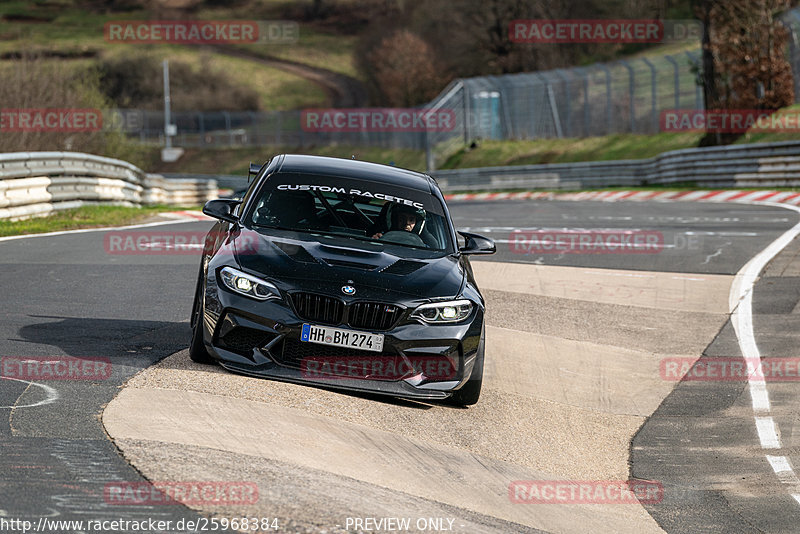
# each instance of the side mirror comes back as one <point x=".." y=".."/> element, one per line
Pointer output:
<point x="477" y="244"/>
<point x="253" y="170"/>
<point x="222" y="209"/>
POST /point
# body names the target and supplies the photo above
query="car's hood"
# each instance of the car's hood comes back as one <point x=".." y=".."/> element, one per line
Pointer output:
<point x="320" y="266"/>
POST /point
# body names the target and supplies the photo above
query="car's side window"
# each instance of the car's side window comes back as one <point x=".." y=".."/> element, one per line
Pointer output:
<point x="434" y="228"/>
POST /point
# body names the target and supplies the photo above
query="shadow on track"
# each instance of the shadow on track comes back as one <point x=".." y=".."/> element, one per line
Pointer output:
<point x="134" y="343"/>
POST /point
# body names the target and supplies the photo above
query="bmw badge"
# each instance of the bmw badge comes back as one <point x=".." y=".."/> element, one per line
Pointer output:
<point x="348" y="290"/>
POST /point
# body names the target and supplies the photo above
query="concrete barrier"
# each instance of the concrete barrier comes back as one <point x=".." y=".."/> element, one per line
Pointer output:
<point x="39" y="183"/>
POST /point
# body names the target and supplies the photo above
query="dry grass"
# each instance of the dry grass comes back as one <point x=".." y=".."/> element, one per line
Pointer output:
<point x="35" y="83"/>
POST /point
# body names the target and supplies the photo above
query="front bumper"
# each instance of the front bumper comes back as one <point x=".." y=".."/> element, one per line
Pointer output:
<point x="262" y="338"/>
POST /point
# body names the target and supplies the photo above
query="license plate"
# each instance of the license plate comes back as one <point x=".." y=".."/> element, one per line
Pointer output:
<point x="325" y="335"/>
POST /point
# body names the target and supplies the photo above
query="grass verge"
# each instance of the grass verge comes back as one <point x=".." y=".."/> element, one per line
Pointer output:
<point x="610" y="147"/>
<point x="84" y="217"/>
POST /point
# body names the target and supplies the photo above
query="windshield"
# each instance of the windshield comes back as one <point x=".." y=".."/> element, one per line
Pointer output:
<point x="358" y="210"/>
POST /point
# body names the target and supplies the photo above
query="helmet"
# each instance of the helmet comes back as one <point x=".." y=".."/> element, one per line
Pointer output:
<point x="395" y="210"/>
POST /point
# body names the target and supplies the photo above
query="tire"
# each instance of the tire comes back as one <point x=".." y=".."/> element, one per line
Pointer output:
<point x="197" y="348"/>
<point x="471" y="391"/>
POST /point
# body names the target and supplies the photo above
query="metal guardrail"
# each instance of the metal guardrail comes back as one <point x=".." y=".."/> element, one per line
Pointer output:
<point x="753" y="165"/>
<point x="236" y="182"/>
<point x="39" y="183"/>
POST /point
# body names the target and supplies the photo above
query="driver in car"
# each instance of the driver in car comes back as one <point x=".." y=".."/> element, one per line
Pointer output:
<point x="403" y="220"/>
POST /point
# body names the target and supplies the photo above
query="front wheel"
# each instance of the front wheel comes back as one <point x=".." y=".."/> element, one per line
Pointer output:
<point x="471" y="391"/>
<point x="197" y="349"/>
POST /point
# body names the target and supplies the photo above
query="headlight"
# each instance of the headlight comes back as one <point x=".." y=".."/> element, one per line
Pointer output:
<point x="248" y="285"/>
<point x="444" y="312"/>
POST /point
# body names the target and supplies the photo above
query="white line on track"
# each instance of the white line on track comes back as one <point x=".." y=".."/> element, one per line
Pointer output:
<point x="104" y="229"/>
<point x="740" y="303"/>
<point x="576" y="229"/>
<point x="52" y="394"/>
<point x="601" y="246"/>
<point x="783" y="469"/>
<point x="165" y="246"/>
<point x="767" y="431"/>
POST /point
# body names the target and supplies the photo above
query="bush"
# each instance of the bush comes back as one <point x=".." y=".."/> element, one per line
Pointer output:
<point x="34" y="83"/>
<point x="404" y="70"/>
<point x="136" y="81"/>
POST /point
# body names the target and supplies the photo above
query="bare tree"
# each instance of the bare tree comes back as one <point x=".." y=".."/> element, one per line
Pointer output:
<point x="744" y="62"/>
<point x="405" y="70"/>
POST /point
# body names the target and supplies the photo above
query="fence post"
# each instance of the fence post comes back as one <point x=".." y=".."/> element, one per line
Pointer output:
<point x="568" y="93"/>
<point x="228" y="127"/>
<point x="252" y="138"/>
<point x="631" y="96"/>
<point x="698" y="94"/>
<point x="586" y="113"/>
<point x="531" y="119"/>
<point x="554" y="111"/>
<point x="145" y="127"/>
<point x="653" y="93"/>
<point x="544" y="89"/>
<point x="430" y="164"/>
<point x="506" y="109"/>
<point x="677" y="81"/>
<point x="465" y="101"/>
<point x="609" y="114"/>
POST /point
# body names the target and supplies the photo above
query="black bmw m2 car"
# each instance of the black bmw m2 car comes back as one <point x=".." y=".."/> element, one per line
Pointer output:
<point x="342" y="274"/>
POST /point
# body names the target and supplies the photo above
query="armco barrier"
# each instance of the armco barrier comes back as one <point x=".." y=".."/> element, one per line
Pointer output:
<point x="753" y="165"/>
<point x="38" y="183"/>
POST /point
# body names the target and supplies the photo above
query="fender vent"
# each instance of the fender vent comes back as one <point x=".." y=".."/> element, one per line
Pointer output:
<point x="350" y="264"/>
<point x="296" y="252"/>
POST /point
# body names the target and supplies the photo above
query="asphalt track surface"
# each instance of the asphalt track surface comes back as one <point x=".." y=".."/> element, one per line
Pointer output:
<point x="66" y="295"/>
